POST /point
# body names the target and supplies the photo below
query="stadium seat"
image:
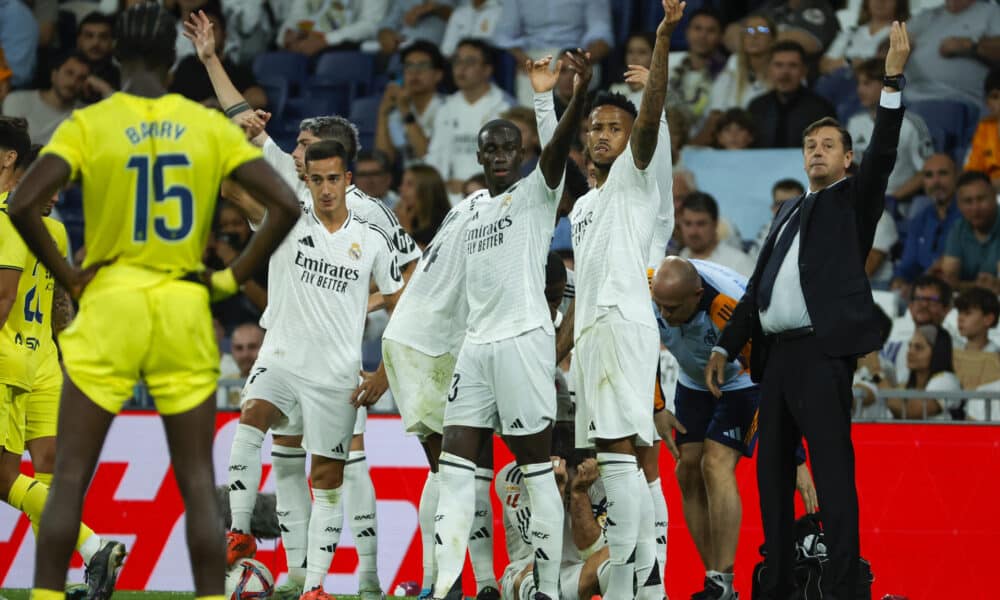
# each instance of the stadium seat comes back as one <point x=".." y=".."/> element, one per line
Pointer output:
<point x="504" y="71"/>
<point x="364" y="114"/>
<point x="622" y="15"/>
<point x="324" y="97"/>
<point x="277" y="94"/>
<point x="290" y="66"/>
<point x="346" y="67"/>
<point x="952" y="124"/>
<point x="841" y="89"/>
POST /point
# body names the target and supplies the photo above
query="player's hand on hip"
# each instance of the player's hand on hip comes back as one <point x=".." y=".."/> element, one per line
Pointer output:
<point x="715" y="373"/>
<point x="372" y="387"/>
<point x="804" y="483"/>
<point x="83" y="277"/>
<point x="543" y="78"/>
<point x="666" y="423"/>
<point x="899" y="49"/>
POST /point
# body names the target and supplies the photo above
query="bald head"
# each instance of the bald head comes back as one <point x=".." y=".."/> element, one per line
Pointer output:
<point x="940" y="177"/>
<point x="677" y="289"/>
<point x="245" y="343"/>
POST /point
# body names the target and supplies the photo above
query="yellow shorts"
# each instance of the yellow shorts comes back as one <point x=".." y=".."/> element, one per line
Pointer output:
<point x="12" y="418"/>
<point x="161" y="334"/>
<point x="42" y="403"/>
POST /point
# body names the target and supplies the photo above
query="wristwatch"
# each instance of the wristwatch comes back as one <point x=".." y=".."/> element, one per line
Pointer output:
<point x="896" y="82"/>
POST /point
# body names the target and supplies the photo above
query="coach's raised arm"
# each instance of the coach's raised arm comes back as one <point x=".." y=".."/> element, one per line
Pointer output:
<point x="809" y="313"/>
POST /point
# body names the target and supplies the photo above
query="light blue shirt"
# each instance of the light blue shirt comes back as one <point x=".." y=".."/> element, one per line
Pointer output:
<point x="534" y="24"/>
<point x="19" y="40"/>
<point x="430" y="28"/>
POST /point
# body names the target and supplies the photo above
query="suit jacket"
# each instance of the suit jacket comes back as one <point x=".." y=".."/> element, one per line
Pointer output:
<point x="836" y="233"/>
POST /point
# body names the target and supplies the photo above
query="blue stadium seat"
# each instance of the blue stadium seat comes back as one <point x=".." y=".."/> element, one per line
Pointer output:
<point x="952" y="124"/>
<point x="346" y="67"/>
<point x="276" y="89"/>
<point x="841" y="89"/>
<point x="622" y="15"/>
<point x="324" y="97"/>
<point x="290" y="66"/>
<point x="504" y="70"/>
<point x="364" y="114"/>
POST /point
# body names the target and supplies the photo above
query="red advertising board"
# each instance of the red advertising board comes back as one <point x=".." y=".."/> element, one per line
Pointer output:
<point x="927" y="525"/>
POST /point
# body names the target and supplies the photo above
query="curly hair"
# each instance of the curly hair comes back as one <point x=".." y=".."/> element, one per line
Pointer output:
<point x="614" y="99"/>
<point x="146" y="32"/>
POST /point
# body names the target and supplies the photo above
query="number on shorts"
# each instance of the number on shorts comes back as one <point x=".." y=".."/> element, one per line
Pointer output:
<point x="257" y="372"/>
<point x="453" y="392"/>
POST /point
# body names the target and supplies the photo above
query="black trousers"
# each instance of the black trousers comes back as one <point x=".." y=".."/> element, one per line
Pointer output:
<point x="805" y="392"/>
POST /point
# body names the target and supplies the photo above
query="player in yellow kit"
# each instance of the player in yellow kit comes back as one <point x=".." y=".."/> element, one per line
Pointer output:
<point x="150" y="165"/>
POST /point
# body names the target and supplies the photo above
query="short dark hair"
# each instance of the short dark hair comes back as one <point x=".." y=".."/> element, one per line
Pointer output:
<point x="701" y="202"/>
<point x="488" y="51"/>
<point x="428" y="48"/>
<point x="648" y="36"/>
<point x="981" y="298"/>
<point x="14" y="136"/>
<point x="96" y="18"/>
<point x="788" y="184"/>
<point x="325" y="149"/>
<point x="334" y="127"/>
<point x="845" y="136"/>
<point x="992" y="81"/>
<point x="378" y="156"/>
<point x="944" y="290"/>
<point x="65" y="57"/>
<point x="605" y="98"/>
<point x="790" y="46"/>
<point x="147" y="33"/>
<point x="872" y="68"/>
<point x="970" y="177"/>
<point x="706" y="12"/>
<point x="737" y="116"/>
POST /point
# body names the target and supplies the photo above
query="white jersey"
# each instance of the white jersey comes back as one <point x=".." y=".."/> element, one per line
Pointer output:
<point x="432" y="312"/>
<point x="318" y="297"/>
<point x="452" y="150"/>
<point x="507" y="243"/>
<point x="612" y="236"/>
<point x="364" y="206"/>
<point x="513" y="495"/>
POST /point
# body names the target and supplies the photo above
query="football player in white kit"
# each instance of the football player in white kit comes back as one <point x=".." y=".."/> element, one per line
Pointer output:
<point x="308" y="365"/>
<point x="287" y="456"/>
<point x="616" y="338"/>
<point x="503" y="377"/>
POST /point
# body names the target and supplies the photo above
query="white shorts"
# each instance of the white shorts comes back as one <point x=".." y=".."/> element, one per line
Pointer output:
<point x="322" y="415"/>
<point x="508" y="386"/>
<point x="419" y="385"/>
<point x="614" y="363"/>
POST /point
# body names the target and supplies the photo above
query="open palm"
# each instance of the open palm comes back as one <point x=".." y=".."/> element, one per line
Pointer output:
<point x="198" y="29"/>
<point x="543" y="79"/>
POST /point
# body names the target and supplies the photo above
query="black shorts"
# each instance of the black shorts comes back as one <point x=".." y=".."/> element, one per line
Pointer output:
<point x="730" y="420"/>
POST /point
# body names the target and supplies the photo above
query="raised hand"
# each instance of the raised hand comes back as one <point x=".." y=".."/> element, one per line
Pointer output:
<point x="198" y="29"/>
<point x="543" y="78"/>
<point x="579" y="63"/>
<point x="252" y="122"/>
<point x="899" y="50"/>
<point x="673" y="11"/>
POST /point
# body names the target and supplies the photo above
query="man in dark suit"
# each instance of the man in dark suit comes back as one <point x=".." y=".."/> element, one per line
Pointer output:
<point x="809" y="312"/>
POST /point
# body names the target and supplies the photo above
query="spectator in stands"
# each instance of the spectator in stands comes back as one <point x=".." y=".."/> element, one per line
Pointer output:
<point x="638" y="51"/>
<point x="230" y="235"/>
<point x="931" y="368"/>
<point x="5" y="77"/>
<point x="783" y="189"/>
<point x="861" y="42"/>
<point x="952" y="48"/>
<point x="407" y="112"/>
<point x="46" y="109"/>
<point x="734" y="131"/>
<point x="978" y="310"/>
<point x="693" y="73"/>
<point x="473" y="19"/>
<point x="873" y="373"/>
<point x="524" y="118"/>
<point x="95" y="41"/>
<point x="930" y="302"/>
<point x="474" y="184"/>
<point x="972" y="250"/>
<point x="811" y="24"/>
<point x="530" y="29"/>
<point x="699" y="220"/>
<point x="373" y="175"/>
<point x="985" y="152"/>
<point x="783" y="113"/>
<point x="453" y="147"/>
<point x="928" y="229"/>
<point x="410" y="20"/>
<point x="878" y="263"/>
<point x="423" y="203"/>
<point x="744" y="77"/>
<point x="915" y="142"/>
<point x="244" y="346"/>
<point x="191" y="79"/>
<point x="315" y="26"/>
<point x="19" y="40"/>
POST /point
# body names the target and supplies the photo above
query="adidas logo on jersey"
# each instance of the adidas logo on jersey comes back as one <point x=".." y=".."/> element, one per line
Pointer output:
<point x="339" y="449"/>
<point x="437" y="540"/>
<point x="331" y="548"/>
<point x="540" y="554"/>
<point x="591" y="427"/>
<point x="367" y="532"/>
<point x="482" y="534"/>
<point x="517" y="424"/>
<point x="307" y="241"/>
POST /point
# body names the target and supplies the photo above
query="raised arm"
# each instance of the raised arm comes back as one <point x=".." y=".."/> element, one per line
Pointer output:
<point x="647" y="123"/>
<point x="552" y="162"/>
<point x="543" y="80"/>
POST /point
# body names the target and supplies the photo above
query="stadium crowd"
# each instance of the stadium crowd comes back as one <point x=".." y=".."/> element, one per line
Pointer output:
<point x="419" y="79"/>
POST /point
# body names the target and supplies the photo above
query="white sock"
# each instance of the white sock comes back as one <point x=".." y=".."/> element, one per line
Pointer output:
<point x="661" y="519"/>
<point x="481" y="541"/>
<point x="325" y="524"/>
<point x="546" y="525"/>
<point x="723" y="579"/>
<point x="294" y="504"/>
<point x="425" y="516"/>
<point x="648" y="582"/>
<point x="453" y="520"/>
<point x="90" y="547"/>
<point x="359" y="496"/>
<point x="244" y="475"/>
<point x="618" y="472"/>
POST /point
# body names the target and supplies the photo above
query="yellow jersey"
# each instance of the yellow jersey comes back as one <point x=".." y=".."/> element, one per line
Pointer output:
<point x="150" y="170"/>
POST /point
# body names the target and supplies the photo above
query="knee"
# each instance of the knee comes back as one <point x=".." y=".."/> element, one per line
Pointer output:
<point x="688" y="473"/>
<point x="258" y="413"/>
<point x="9" y="470"/>
<point x="326" y="474"/>
<point x="650" y="464"/>
<point x="43" y="454"/>
<point x="358" y="442"/>
<point x="717" y="467"/>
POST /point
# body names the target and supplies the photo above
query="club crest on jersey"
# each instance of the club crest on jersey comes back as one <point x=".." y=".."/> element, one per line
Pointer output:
<point x="507" y="200"/>
<point x="355" y="251"/>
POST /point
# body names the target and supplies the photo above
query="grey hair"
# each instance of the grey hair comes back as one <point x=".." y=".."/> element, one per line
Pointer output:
<point x="334" y="127"/>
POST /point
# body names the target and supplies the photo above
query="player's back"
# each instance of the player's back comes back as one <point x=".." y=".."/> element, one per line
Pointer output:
<point x="150" y="170"/>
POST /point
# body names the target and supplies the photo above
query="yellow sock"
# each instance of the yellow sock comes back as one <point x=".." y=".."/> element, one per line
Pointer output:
<point x="215" y="597"/>
<point x="28" y="496"/>
<point x="45" y="478"/>
<point x="39" y="594"/>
